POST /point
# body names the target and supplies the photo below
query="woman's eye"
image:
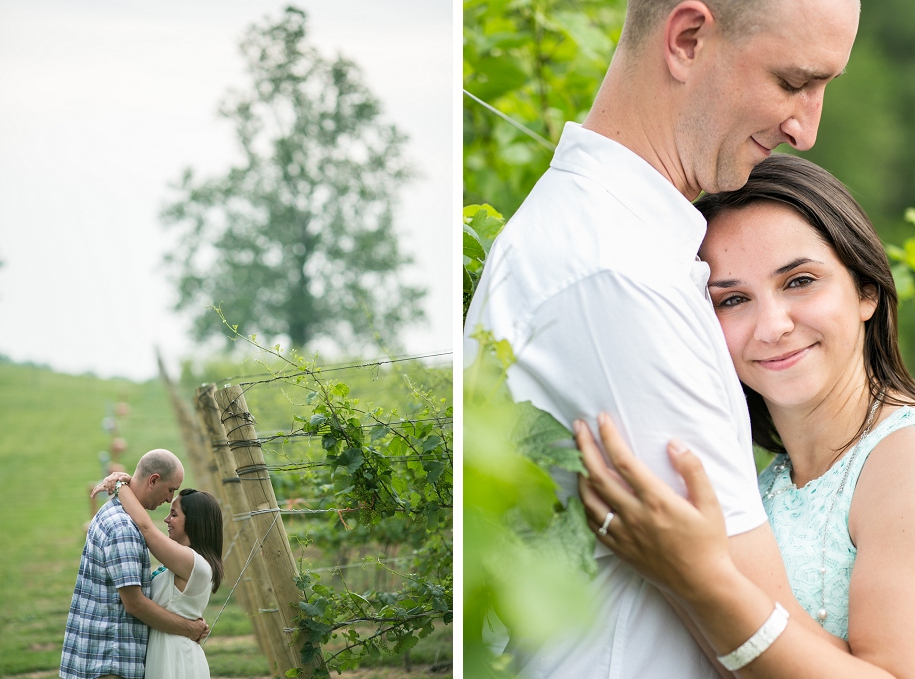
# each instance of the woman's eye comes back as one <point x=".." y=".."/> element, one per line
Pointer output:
<point x="731" y="301"/>
<point x="800" y="282"/>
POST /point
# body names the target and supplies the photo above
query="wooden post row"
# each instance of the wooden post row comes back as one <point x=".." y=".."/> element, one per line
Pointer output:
<point x="200" y="436"/>
<point x="199" y="449"/>
<point x="222" y="441"/>
<point x="262" y="609"/>
<point x="268" y="523"/>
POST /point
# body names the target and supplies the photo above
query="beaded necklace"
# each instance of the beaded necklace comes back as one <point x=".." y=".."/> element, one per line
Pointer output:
<point x="822" y="614"/>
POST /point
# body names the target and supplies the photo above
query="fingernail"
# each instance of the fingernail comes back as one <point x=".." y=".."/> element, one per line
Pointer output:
<point x="603" y="418"/>
<point x="576" y="427"/>
<point x="677" y="446"/>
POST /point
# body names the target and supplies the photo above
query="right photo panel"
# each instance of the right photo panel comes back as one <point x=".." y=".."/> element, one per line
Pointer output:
<point x="688" y="329"/>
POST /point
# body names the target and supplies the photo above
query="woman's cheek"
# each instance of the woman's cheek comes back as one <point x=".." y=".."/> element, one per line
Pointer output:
<point x="736" y="337"/>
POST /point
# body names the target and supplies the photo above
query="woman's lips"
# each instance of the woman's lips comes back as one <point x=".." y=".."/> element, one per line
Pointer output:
<point x="785" y="361"/>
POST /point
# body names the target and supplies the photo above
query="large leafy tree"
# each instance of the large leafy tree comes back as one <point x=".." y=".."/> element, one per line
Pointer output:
<point x="298" y="239"/>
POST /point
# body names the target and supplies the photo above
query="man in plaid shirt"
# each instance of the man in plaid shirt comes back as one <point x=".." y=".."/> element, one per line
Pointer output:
<point x="111" y="613"/>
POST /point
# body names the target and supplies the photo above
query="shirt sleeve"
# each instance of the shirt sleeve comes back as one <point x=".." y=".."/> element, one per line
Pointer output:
<point x="124" y="556"/>
<point x="655" y="359"/>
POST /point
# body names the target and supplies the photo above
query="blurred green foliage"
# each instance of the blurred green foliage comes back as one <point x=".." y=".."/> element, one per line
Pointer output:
<point x="902" y="260"/>
<point x="526" y="557"/>
<point x="540" y="62"/>
<point x="481" y="226"/>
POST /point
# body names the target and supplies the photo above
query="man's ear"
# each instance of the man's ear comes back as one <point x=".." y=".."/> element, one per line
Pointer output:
<point x="153" y="479"/>
<point x="686" y="30"/>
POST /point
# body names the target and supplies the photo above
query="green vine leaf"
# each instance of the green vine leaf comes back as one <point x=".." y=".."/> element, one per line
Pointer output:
<point x="541" y="438"/>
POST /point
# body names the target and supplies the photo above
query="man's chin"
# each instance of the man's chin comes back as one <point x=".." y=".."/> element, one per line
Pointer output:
<point x="731" y="181"/>
<point x="731" y="173"/>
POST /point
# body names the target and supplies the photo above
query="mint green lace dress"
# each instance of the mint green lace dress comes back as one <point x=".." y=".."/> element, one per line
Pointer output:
<point x="800" y="516"/>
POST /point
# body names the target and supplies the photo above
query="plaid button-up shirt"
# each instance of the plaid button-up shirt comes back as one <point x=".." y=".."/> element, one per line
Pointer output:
<point x="101" y="637"/>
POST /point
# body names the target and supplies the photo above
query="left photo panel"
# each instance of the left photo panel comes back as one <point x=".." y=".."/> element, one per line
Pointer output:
<point x="226" y="363"/>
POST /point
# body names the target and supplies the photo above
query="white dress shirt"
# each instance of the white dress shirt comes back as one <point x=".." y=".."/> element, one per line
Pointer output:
<point x="596" y="285"/>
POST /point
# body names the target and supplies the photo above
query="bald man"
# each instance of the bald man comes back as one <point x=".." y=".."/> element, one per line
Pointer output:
<point x="111" y="613"/>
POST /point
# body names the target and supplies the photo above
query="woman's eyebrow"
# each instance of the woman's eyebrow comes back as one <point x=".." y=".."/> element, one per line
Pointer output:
<point x="794" y="264"/>
<point x="725" y="283"/>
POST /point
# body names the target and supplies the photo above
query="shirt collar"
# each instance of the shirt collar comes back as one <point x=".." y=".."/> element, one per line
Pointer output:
<point x="671" y="218"/>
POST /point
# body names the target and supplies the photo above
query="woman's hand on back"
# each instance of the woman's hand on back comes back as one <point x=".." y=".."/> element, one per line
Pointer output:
<point x="680" y="544"/>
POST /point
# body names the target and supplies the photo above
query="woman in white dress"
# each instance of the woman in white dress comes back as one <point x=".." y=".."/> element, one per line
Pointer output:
<point x="191" y="558"/>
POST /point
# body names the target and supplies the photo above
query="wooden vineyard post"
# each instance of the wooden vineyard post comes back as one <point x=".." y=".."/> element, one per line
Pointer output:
<point x="262" y="608"/>
<point x="233" y="562"/>
<point x="251" y="469"/>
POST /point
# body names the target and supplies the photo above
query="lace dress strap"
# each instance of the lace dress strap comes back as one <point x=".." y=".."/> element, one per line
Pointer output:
<point x="904" y="417"/>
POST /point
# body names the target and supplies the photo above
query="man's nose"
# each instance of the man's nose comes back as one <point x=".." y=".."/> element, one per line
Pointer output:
<point x="801" y="128"/>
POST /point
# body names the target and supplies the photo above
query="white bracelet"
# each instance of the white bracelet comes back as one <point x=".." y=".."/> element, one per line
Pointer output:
<point x="751" y="649"/>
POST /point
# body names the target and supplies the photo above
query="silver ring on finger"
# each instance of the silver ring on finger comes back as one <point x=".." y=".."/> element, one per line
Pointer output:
<point x="606" y="524"/>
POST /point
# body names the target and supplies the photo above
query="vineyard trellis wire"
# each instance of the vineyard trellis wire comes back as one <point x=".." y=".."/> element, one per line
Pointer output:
<point x="389" y="474"/>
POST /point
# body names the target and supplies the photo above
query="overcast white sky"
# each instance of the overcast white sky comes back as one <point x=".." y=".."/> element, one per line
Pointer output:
<point x="104" y="102"/>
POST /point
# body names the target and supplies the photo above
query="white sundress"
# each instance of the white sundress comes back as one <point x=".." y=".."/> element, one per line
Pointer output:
<point x="170" y="656"/>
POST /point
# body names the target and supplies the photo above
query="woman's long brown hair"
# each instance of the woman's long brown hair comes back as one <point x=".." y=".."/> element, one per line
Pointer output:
<point x="203" y="526"/>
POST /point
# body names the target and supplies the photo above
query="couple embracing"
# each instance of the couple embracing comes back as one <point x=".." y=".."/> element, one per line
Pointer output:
<point x="126" y="621"/>
<point x="763" y="313"/>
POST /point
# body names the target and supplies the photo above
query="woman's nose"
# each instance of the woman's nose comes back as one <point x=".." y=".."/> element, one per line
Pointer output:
<point x="773" y="321"/>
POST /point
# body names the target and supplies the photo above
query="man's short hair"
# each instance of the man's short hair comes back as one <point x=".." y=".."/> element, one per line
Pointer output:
<point x="160" y="462"/>
<point x="737" y="18"/>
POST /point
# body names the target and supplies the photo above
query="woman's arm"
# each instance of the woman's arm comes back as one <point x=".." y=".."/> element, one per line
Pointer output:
<point x="881" y="525"/>
<point x="175" y="557"/>
<point x="697" y="635"/>
<point x="682" y="545"/>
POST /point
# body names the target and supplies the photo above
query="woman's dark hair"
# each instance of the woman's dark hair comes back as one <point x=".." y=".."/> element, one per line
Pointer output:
<point x="826" y="205"/>
<point x="203" y="526"/>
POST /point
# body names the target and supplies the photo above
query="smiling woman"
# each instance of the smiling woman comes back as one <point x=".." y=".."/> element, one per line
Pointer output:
<point x="805" y="297"/>
<point x="797" y="211"/>
<point x="794" y="305"/>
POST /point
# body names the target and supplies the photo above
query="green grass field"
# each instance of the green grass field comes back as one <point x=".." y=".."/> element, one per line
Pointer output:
<point x="50" y="437"/>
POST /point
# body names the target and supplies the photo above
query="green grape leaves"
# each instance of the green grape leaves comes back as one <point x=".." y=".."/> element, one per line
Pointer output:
<point x="540" y="437"/>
